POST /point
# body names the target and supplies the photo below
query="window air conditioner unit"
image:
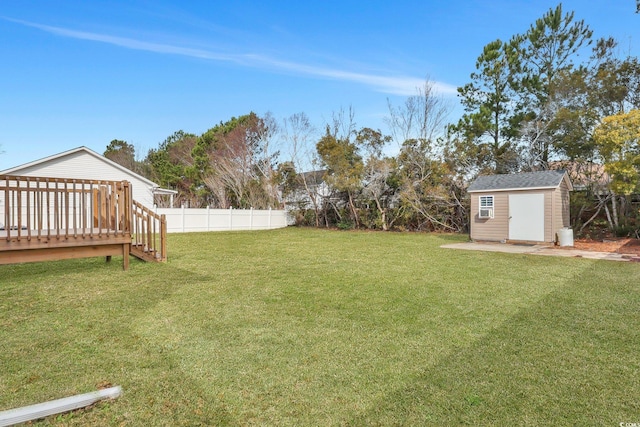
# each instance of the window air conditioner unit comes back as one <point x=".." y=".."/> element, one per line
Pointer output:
<point x="485" y="213"/>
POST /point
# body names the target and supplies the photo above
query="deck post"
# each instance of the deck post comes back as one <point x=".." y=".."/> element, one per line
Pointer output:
<point x="163" y="237"/>
<point x="125" y="256"/>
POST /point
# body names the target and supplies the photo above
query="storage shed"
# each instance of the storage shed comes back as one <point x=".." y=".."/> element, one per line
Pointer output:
<point x="523" y="207"/>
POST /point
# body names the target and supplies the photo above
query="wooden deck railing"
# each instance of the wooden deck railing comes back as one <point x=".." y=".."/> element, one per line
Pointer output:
<point x="39" y="208"/>
<point x="149" y="234"/>
<point x="52" y="218"/>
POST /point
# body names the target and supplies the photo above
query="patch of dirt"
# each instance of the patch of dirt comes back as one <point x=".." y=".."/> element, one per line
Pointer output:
<point x="621" y="245"/>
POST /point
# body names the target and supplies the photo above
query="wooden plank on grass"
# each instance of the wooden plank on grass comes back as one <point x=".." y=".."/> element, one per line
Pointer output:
<point x="41" y="410"/>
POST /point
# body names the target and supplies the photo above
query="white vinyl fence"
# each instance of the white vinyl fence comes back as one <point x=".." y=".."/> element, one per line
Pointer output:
<point x="181" y="220"/>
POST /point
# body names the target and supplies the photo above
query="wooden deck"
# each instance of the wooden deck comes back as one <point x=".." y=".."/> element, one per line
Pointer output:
<point x="45" y="219"/>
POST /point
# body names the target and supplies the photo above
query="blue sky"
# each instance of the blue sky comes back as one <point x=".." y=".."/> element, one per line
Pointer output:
<point x="86" y="72"/>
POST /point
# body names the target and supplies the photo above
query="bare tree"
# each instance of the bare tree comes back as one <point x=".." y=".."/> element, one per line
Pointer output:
<point x="427" y="189"/>
<point x="376" y="186"/>
<point x="343" y="125"/>
<point x="266" y="155"/>
<point x="298" y="133"/>
<point x="422" y="117"/>
<point x="236" y="162"/>
<point x="537" y="139"/>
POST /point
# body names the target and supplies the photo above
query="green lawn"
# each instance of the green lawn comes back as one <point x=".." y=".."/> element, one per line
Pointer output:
<point x="313" y="327"/>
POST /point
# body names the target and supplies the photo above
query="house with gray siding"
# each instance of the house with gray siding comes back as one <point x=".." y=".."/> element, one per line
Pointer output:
<point x="522" y="207"/>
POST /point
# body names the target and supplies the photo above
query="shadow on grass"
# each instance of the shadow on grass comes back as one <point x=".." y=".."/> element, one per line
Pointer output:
<point x="158" y="362"/>
<point x="81" y="317"/>
<point x="453" y="237"/>
<point x="569" y="359"/>
<point x="53" y="269"/>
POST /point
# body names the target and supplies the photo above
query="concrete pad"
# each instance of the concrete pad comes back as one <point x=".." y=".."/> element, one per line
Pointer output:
<point x="494" y="247"/>
<point x="536" y="250"/>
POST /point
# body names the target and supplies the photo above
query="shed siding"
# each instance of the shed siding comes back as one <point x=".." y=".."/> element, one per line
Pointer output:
<point x="561" y="212"/>
<point x="85" y="166"/>
<point x="549" y="232"/>
<point x="565" y="196"/>
<point x="493" y="229"/>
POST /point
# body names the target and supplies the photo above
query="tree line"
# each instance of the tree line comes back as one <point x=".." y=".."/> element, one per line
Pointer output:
<point x="549" y="98"/>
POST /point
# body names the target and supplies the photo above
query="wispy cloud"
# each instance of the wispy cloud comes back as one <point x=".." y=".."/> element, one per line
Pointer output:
<point x="396" y="85"/>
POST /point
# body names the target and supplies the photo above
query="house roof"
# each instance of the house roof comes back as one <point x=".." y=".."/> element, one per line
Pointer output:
<point x="585" y="174"/>
<point x="16" y="169"/>
<point x="312" y="177"/>
<point x="520" y="181"/>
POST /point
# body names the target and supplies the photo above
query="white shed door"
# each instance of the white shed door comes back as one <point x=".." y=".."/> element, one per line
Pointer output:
<point x="526" y="217"/>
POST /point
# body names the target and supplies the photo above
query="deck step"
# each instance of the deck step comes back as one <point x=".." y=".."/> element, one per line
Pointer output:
<point x="139" y="252"/>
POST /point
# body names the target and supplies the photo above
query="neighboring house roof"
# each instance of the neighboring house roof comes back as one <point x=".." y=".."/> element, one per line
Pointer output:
<point x="520" y="181"/>
<point x="312" y="177"/>
<point x="17" y="169"/>
<point x="585" y="174"/>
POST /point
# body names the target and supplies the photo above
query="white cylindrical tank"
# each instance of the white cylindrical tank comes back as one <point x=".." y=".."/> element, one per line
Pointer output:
<point x="565" y="236"/>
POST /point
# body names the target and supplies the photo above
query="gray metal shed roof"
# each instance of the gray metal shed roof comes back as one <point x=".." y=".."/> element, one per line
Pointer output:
<point x="541" y="179"/>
